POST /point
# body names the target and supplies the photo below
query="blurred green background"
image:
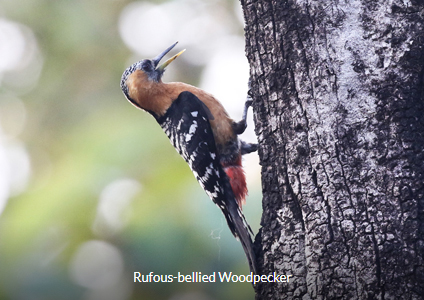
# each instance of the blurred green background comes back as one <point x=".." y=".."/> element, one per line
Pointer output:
<point x="91" y="190"/>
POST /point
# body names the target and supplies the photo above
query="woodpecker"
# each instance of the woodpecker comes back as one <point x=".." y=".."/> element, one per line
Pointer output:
<point x="202" y="132"/>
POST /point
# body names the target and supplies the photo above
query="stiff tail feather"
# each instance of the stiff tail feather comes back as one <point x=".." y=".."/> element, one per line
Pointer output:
<point x="240" y="229"/>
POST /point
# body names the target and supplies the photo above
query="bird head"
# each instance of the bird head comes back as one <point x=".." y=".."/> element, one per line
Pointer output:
<point x="150" y="67"/>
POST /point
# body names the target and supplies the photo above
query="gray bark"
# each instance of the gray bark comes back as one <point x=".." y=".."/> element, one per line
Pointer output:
<point x="339" y="115"/>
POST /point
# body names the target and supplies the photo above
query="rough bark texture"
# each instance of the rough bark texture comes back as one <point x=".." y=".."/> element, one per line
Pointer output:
<point x="339" y="113"/>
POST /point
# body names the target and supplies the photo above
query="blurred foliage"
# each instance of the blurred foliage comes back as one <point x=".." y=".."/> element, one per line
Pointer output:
<point x="81" y="135"/>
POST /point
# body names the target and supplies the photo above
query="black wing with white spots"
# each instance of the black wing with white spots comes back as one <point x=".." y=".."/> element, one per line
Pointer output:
<point x="186" y="123"/>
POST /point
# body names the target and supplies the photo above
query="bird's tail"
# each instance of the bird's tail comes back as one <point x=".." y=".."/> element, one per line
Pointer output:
<point x="240" y="228"/>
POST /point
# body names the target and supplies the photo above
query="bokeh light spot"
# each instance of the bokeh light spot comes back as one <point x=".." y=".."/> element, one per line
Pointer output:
<point x="96" y="265"/>
<point x="113" y="208"/>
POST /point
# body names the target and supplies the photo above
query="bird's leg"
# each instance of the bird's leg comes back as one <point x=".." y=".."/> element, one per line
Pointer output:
<point x="246" y="148"/>
<point x="240" y="127"/>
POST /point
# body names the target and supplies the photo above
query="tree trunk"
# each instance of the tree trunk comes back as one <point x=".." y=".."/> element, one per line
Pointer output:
<point x="339" y="113"/>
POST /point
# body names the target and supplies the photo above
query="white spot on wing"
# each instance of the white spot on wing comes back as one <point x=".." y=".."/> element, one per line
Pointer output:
<point x="193" y="127"/>
<point x="194" y="113"/>
<point x="209" y="169"/>
<point x="191" y="130"/>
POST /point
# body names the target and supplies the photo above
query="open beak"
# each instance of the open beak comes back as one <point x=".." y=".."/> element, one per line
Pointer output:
<point x="157" y="59"/>
<point x="165" y="64"/>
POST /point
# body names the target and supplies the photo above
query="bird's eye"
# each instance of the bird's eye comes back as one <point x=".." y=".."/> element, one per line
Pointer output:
<point x="146" y="66"/>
